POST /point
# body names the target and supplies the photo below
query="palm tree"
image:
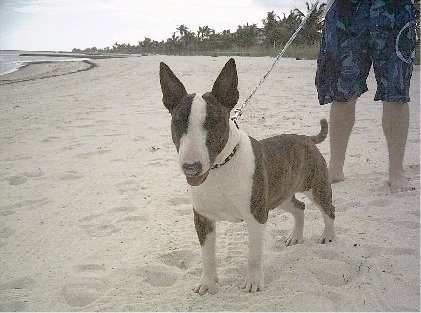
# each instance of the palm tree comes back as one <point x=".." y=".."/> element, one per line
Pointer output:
<point x="172" y="44"/>
<point x="226" y="39"/>
<point x="270" y="27"/>
<point x="182" y="29"/>
<point x="205" y="32"/>
<point x="246" y="35"/>
<point x="312" y="30"/>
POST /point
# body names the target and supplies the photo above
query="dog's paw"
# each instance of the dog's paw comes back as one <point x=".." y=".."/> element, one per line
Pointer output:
<point x="206" y="285"/>
<point x="294" y="238"/>
<point x="326" y="237"/>
<point x="254" y="283"/>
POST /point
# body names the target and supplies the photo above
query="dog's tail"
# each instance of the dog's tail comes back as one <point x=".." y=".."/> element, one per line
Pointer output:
<point x="323" y="132"/>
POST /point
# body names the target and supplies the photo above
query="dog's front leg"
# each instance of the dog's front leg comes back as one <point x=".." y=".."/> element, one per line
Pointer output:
<point x="206" y="231"/>
<point x="255" y="278"/>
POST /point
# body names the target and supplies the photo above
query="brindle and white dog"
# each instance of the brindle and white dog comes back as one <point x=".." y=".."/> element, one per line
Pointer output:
<point x="234" y="177"/>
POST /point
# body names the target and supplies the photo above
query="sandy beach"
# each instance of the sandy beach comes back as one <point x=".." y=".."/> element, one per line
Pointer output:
<point x="95" y="215"/>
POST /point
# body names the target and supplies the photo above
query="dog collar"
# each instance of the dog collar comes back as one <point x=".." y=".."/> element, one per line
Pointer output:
<point x="226" y="159"/>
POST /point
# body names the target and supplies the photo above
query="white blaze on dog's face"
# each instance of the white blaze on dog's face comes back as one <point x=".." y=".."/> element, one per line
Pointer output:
<point x="200" y="124"/>
<point x="193" y="155"/>
<point x="192" y="146"/>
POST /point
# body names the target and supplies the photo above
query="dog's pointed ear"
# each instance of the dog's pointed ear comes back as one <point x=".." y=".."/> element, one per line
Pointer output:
<point x="225" y="88"/>
<point x="172" y="88"/>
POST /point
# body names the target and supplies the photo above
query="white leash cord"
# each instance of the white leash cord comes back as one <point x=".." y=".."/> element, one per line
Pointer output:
<point x="239" y="111"/>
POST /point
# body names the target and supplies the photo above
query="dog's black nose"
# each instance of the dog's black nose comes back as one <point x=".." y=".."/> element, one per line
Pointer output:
<point x="192" y="169"/>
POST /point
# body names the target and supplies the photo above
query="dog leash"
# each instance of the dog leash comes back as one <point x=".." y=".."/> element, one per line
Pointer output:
<point x="239" y="111"/>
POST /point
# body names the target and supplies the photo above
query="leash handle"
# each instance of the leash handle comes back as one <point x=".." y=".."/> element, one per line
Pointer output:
<point x="239" y="111"/>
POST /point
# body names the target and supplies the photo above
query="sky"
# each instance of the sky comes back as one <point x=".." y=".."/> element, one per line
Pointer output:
<point x="61" y="25"/>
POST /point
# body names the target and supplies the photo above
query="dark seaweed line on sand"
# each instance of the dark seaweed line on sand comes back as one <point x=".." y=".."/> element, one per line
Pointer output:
<point x="7" y="82"/>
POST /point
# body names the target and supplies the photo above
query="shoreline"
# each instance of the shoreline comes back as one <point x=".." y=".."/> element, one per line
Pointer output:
<point x="13" y="60"/>
<point x="29" y="71"/>
<point x="75" y="55"/>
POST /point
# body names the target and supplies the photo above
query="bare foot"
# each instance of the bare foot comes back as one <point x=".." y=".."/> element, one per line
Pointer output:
<point x="400" y="183"/>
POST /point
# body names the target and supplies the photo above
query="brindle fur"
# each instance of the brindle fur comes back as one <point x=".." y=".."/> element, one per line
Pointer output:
<point x="203" y="227"/>
<point x="285" y="165"/>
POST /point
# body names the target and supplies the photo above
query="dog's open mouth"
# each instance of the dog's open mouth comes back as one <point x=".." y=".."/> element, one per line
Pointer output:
<point x="197" y="180"/>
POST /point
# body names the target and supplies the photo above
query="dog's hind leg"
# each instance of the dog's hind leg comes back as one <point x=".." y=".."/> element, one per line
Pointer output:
<point x="206" y="231"/>
<point x="322" y="198"/>
<point x="296" y="208"/>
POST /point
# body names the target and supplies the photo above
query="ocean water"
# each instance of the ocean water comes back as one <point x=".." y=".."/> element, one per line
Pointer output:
<point x="10" y="61"/>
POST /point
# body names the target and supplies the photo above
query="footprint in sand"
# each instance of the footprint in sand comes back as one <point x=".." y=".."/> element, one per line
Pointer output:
<point x="414" y="167"/>
<point x="18" y="158"/>
<point x="183" y="258"/>
<point x="128" y="186"/>
<point x="185" y="211"/>
<point x="12" y="306"/>
<point x="82" y="291"/>
<point x="101" y="230"/>
<point x="16" y="180"/>
<point x="5" y="231"/>
<point x="107" y="223"/>
<point x="69" y="175"/>
<point x="50" y="138"/>
<point x="72" y="147"/>
<point x="7" y="210"/>
<point x="29" y="204"/>
<point x="93" y="153"/>
<point x="21" y="179"/>
<point x="157" y="163"/>
<point x="90" y="267"/>
<point x="14" y="292"/>
<point x="34" y="174"/>
<point x="125" y="210"/>
<point x="135" y="218"/>
<point x="17" y="284"/>
<point x="333" y="269"/>
<point x="179" y="201"/>
<point x="89" y="218"/>
<point x="379" y="203"/>
<point x="183" y="205"/>
<point x="87" y="287"/>
<point x="158" y="275"/>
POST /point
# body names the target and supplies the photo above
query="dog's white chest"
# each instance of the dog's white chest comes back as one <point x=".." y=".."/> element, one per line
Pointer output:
<point x="226" y="194"/>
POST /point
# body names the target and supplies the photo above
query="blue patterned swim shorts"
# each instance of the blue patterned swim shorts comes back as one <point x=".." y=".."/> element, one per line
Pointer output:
<point x="361" y="33"/>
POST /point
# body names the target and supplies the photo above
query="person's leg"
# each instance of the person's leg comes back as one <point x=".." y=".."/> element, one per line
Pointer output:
<point x="342" y="119"/>
<point x="395" y="127"/>
<point x="392" y="48"/>
<point x="342" y="69"/>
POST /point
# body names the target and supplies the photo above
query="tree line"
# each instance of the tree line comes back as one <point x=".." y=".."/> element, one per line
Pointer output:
<point x="275" y="32"/>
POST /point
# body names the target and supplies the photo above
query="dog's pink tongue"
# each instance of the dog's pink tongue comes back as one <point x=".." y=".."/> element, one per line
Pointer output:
<point x="196" y="180"/>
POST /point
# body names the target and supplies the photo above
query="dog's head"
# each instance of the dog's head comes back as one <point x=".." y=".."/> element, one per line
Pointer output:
<point x="200" y="122"/>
